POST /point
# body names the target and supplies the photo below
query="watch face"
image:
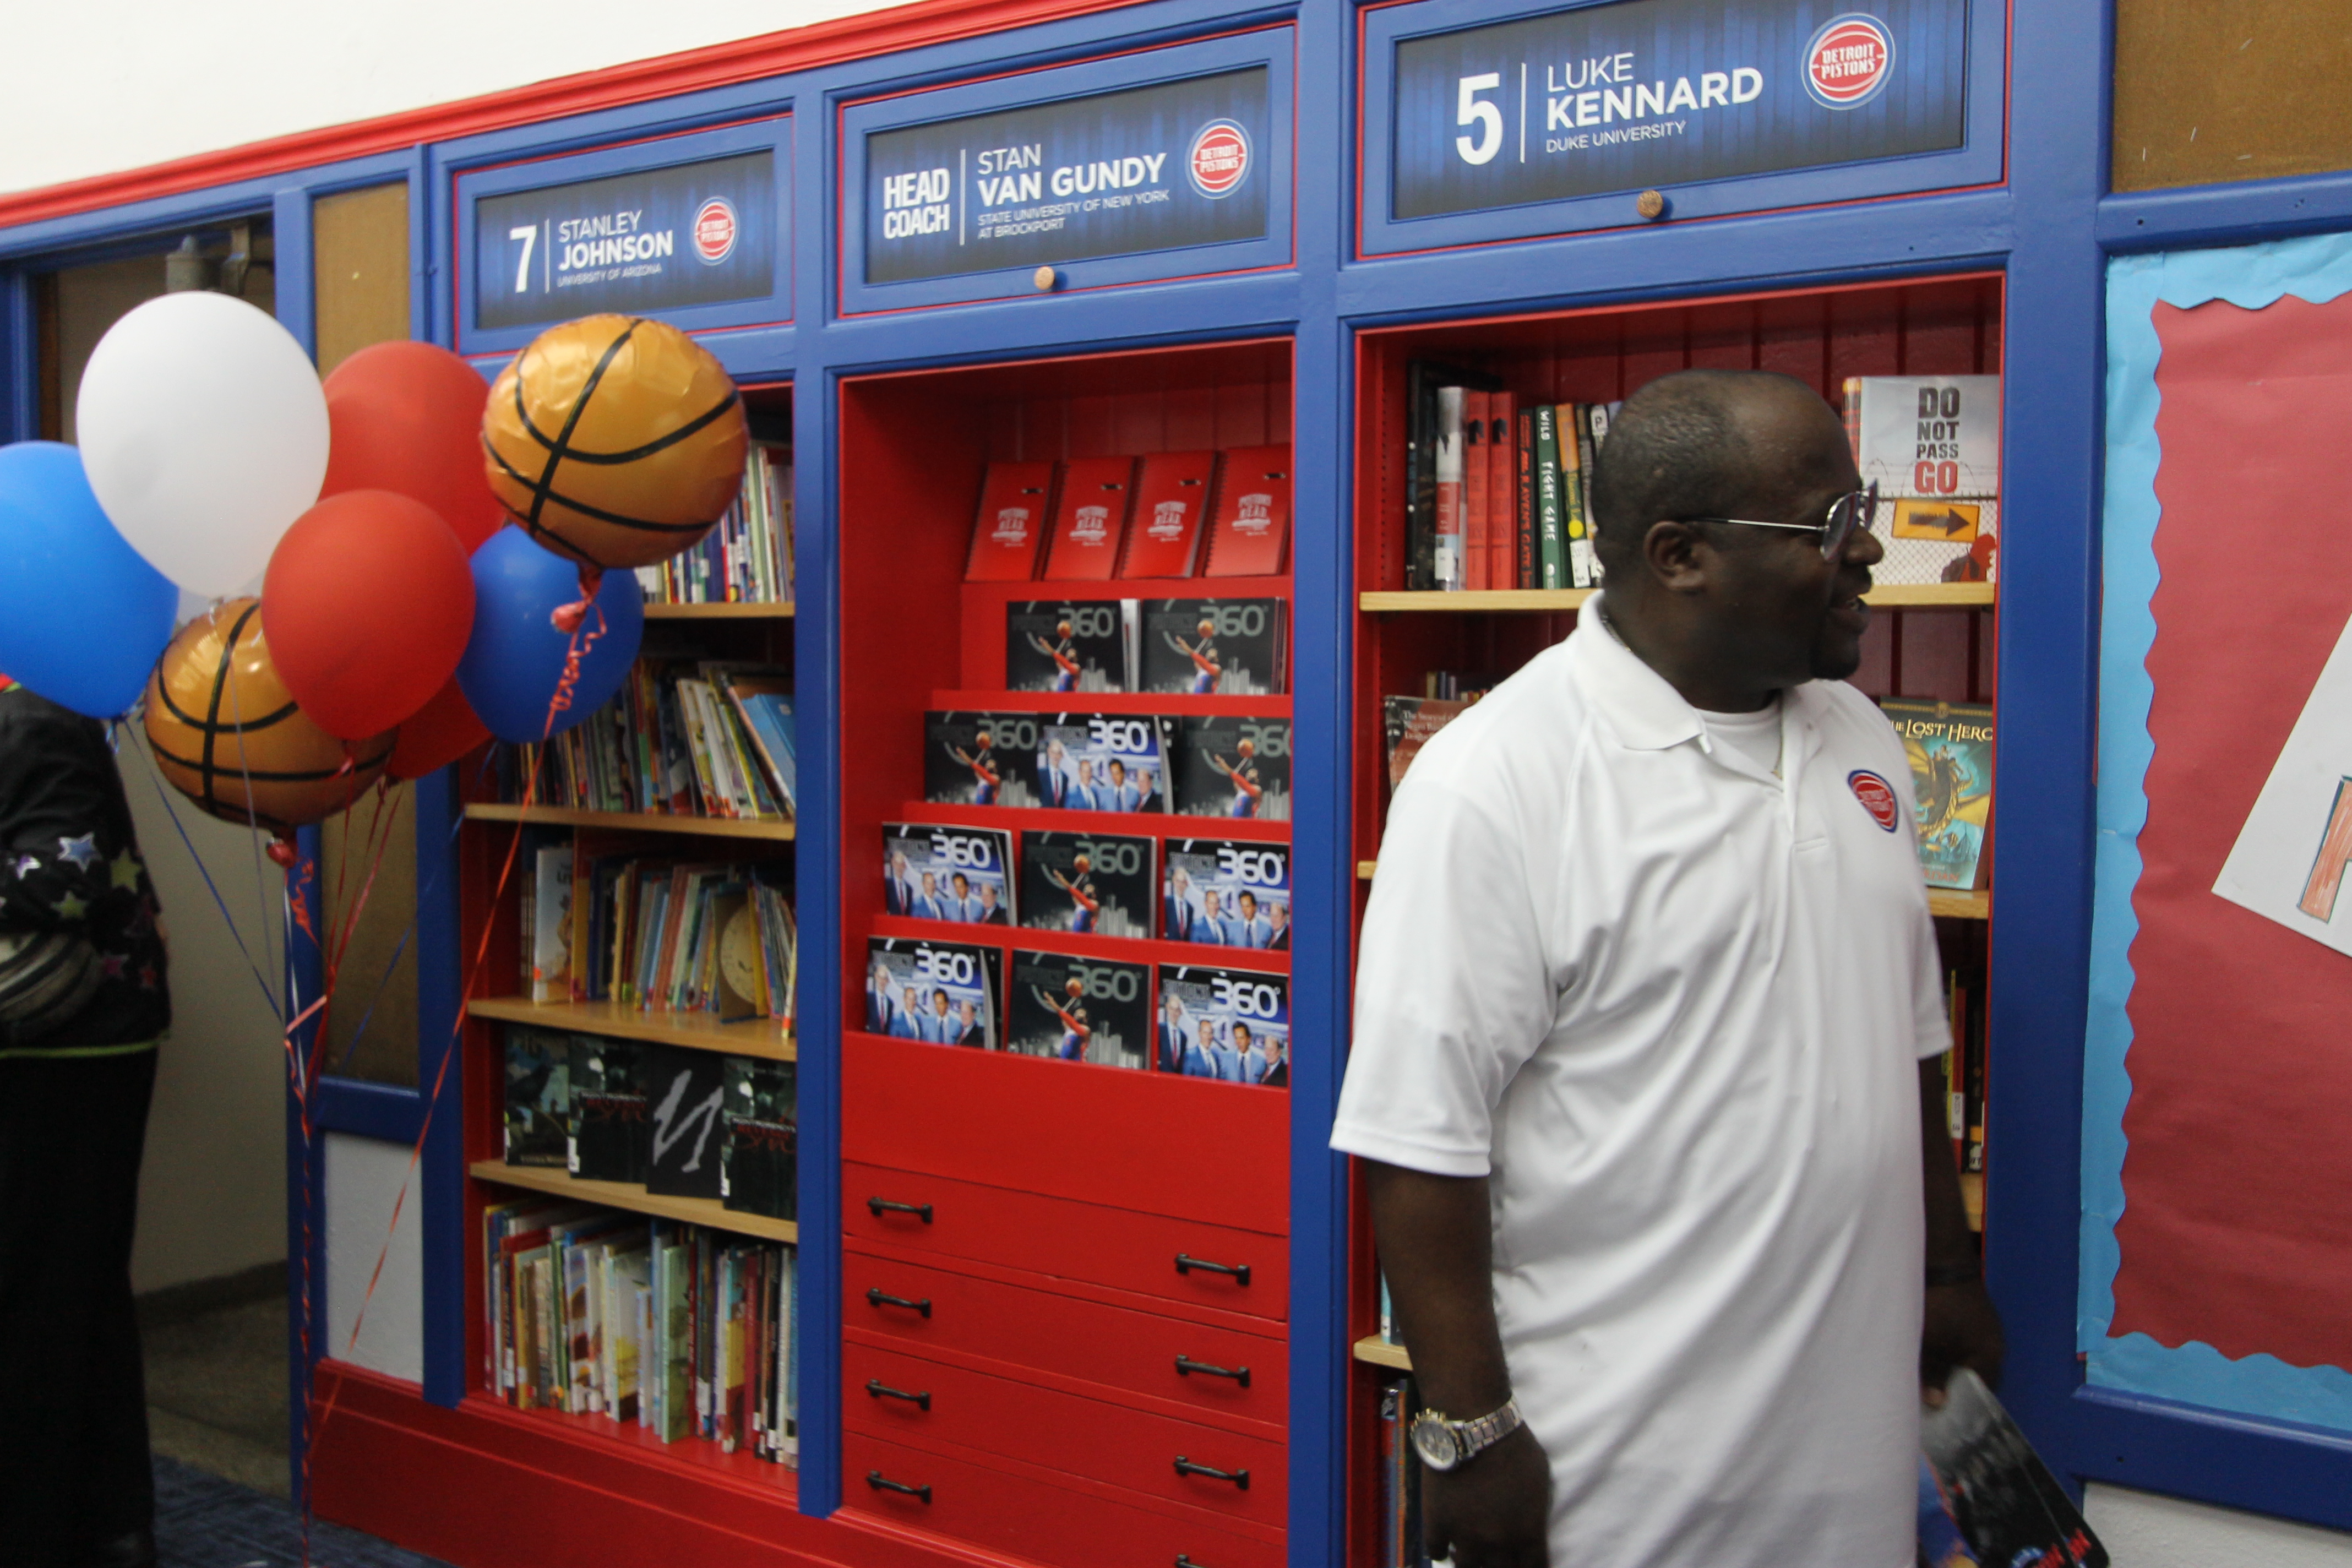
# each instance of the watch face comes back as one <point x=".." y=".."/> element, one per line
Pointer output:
<point x="1433" y="1441"/>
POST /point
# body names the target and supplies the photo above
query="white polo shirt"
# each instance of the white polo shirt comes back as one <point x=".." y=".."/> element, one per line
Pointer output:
<point x="1670" y="1003"/>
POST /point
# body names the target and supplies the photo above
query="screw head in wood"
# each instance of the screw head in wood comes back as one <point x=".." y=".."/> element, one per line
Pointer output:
<point x="1650" y="204"/>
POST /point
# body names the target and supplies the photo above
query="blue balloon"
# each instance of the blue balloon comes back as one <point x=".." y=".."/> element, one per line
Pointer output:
<point x="83" y="617"/>
<point x="515" y="660"/>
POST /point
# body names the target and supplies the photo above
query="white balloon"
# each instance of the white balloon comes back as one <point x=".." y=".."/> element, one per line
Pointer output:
<point x="203" y="431"/>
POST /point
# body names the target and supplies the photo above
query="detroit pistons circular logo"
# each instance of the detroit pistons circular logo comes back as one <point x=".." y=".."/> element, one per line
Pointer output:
<point x="715" y="229"/>
<point x="1219" y="160"/>
<point x="1849" y="60"/>
<point x="1877" y="796"/>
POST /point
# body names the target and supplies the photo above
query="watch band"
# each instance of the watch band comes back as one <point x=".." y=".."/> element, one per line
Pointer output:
<point x="1463" y="1441"/>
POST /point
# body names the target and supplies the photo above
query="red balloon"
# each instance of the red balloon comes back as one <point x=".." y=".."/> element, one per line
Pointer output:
<point x="367" y="605"/>
<point x="437" y="734"/>
<point x="407" y="417"/>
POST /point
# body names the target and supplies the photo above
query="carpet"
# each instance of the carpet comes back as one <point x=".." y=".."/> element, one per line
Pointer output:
<point x="204" y="1522"/>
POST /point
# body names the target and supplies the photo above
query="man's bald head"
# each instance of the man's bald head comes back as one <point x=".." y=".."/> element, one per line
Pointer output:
<point x="1703" y="443"/>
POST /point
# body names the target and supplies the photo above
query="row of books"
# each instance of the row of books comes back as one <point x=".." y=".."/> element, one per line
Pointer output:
<point x="1228" y="765"/>
<point x="709" y="739"/>
<point x="680" y="1122"/>
<point x="686" y="1331"/>
<point x="1233" y="647"/>
<point x="622" y="918"/>
<point x="748" y="557"/>
<point x="1496" y="494"/>
<point x="1229" y="1025"/>
<point x="1170" y="514"/>
<point x="1219" y="892"/>
<point x="1964" y="1084"/>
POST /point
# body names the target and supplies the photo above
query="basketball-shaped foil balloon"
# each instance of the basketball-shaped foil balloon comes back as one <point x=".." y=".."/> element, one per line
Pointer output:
<point x="226" y="734"/>
<point x="615" y="441"/>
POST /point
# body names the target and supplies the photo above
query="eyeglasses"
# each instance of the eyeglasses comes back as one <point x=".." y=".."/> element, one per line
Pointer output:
<point x="1851" y="510"/>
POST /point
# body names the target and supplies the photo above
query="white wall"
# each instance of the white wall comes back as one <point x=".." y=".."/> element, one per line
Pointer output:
<point x="363" y="1176"/>
<point x="101" y="85"/>
<point x="2142" y="1529"/>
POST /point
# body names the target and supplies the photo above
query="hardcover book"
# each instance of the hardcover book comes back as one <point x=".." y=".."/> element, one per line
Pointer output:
<point x="1232" y="646"/>
<point x="609" y="1136"/>
<point x="685" y="1090"/>
<point x="1408" y="722"/>
<point x="980" y="758"/>
<point x="1502" y="491"/>
<point x="1249" y="533"/>
<point x="538" y="1096"/>
<point x="942" y="992"/>
<point x="1070" y="645"/>
<point x="1950" y="745"/>
<point x="2007" y="1505"/>
<point x="1101" y="761"/>
<point x="550" y="924"/>
<point x="932" y="871"/>
<point x="1090" y="518"/>
<point x="1233" y="767"/>
<point x="1447" y="465"/>
<point x="1475" y="523"/>
<point x="1173" y="494"/>
<point x="1098" y="884"/>
<point x="1932" y="444"/>
<point x="1011" y="527"/>
<point x="1227" y="893"/>
<point x="1229" y="1025"/>
<point x="1079" y="1009"/>
<point x="758" y="1165"/>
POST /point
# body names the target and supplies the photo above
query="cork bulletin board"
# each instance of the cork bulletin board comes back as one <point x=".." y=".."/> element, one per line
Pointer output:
<point x="2209" y="90"/>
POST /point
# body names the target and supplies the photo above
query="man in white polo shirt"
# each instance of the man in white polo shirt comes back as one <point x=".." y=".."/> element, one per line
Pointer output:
<point x="1643" y="984"/>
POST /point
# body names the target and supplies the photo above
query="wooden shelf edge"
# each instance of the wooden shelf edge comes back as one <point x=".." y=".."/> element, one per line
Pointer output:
<point x="734" y="612"/>
<point x="1364" y="869"/>
<point x="632" y="821"/>
<point x="1558" y="601"/>
<point x="1960" y="906"/>
<point x="1374" y="1351"/>
<point x="694" y="1031"/>
<point x="636" y="1199"/>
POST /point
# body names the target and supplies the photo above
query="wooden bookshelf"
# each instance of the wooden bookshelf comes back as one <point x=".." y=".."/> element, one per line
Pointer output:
<point x="697" y="1031"/>
<point x="634" y="821"/>
<point x="1975" y="906"/>
<point x="1557" y="601"/>
<point x="630" y="1196"/>
<point x="734" y="612"/>
<point x="1377" y="1351"/>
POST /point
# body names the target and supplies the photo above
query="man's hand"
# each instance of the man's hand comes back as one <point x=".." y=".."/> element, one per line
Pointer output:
<point x="1494" y="1511"/>
<point x="1960" y="1328"/>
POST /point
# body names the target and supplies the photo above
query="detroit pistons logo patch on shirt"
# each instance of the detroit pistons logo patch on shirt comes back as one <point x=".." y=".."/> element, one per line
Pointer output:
<point x="1877" y="796"/>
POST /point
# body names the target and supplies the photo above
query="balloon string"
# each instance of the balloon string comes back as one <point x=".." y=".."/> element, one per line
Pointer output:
<point x="155" y="777"/>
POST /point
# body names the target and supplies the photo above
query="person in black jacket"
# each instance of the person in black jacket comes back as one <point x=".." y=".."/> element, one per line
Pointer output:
<point x="77" y="920"/>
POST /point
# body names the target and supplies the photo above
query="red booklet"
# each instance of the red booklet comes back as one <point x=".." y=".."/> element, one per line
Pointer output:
<point x="1502" y="492"/>
<point x="1008" y="536"/>
<point x="1171" y="511"/>
<point x="1249" y="533"/>
<point x="1477" y="409"/>
<point x="1090" y="518"/>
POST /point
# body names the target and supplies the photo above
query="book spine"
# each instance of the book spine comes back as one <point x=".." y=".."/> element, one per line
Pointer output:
<point x="1527" y="556"/>
<point x="1502" y="491"/>
<point x="1420" y="478"/>
<point x="1853" y="386"/>
<point x="1551" y="541"/>
<point x="1476" y="540"/>
<point x="1576" y="464"/>
<point x="1449" y="482"/>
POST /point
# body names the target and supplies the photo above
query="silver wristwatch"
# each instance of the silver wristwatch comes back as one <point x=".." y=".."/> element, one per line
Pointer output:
<point x="1443" y="1444"/>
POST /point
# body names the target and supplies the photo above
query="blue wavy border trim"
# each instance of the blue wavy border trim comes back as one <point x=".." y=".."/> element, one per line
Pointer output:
<point x="2316" y="271"/>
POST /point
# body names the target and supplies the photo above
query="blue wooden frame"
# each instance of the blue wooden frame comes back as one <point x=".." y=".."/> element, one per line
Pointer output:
<point x="771" y="133"/>
<point x="1976" y="162"/>
<point x="2048" y="226"/>
<point x="1271" y="47"/>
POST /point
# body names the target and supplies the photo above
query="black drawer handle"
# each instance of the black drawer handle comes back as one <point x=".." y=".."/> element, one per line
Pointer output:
<point x="1184" y="1562"/>
<point x="1186" y="1365"/>
<point x="1185" y="1466"/>
<point x="875" y="1298"/>
<point x="877" y="1207"/>
<point x="880" y="1390"/>
<point x="882" y="1483"/>
<point x="1240" y="1271"/>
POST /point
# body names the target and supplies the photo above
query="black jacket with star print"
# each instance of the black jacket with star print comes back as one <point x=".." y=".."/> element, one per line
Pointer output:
<point x="69" y="861"/>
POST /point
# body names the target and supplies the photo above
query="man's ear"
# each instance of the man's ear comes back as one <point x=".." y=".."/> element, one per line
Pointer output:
<point x="1677" y="556"/>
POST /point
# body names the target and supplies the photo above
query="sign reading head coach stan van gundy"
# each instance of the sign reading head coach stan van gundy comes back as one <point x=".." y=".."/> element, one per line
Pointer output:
<point x="658" y="239"/>
<point x="1169" y="165"/>
<point x="1645" y="93"/>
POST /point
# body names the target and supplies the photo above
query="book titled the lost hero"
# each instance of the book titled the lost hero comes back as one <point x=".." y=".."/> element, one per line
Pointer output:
<point x="1950" y="748"/>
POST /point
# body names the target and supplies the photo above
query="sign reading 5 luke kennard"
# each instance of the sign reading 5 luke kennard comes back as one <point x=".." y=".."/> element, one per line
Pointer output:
<point x="658" y="239"/>
<point x="1173" y="164"/>
<point x="1648" y="93"/>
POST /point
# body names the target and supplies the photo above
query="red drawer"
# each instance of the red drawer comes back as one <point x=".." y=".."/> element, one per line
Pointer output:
<point x="1061" y="1526"/>
<point x="1169" y="1145"/>
<point x="1136" y="1353"/>
<point x="1117" y="1247"/>
<point x="886" y="1394"/>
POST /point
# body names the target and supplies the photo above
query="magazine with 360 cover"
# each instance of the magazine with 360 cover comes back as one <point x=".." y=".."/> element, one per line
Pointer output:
<point x="944" y="992"/>
<point x="1079" y="1009"/>
<point x="1233" y="647"/>
<point x="1069" y="645"/>
<point x="938" y="872"/>
<point x="610" y="1141"/>
<point x="1228" y="893"/>
<point x="1099" y="883"/>
<point x="981" y="759"/>
<point x="1102" y="761"/>
<point x="759" y="1170"/>
<point x="1233" y="767"/>
<point x="1231" y="1026"/>
<point x="2000" y="1493"/>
